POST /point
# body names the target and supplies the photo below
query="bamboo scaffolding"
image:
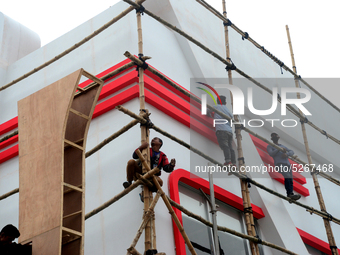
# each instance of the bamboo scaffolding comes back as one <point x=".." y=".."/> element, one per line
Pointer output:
<point x="146" y="218"/>
<point x="144" y="133"/>
<point x="228" y="230"/>
<point x="328" y="228"/>
<point x="271" y="56"/>
<point x="89" y="37"/>
<point x="121" y="194"/>
<point x="289" y="107"/>
<point x="249" y="217"/>
<point x="239" y="175"/>
<point x="174" y="85"/>
<point x="168" y="205"/>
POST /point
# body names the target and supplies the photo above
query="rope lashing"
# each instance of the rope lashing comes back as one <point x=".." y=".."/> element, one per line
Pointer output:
<point x="305" y="120"/>
<point x="232" y="67"/>
<point x="248" y="180"/>
<point x="259" y="240"/>
<point x="144" y="65"/>
<point x="324" y="133"/>
<point x="333" y="247"/>
<point x="246" y="36"/>
<point x="248" y="210"/>
<point x="278" y="96"/>
<point x="275" y="59"/>
<point x="229" y="23"/>
<point x="141" y="9"/>
<point x="151" y="252"/>
<point x="329" y="217"/>
<point x="242" y="158"/>
<point x="239" y="126"/>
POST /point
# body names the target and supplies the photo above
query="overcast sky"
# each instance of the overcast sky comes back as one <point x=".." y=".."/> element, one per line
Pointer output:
<point x="313" y="27"/>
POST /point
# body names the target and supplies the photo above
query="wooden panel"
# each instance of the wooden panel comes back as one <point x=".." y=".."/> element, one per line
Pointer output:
<point x="47" y="243"/>
<point x="42" y="117"/>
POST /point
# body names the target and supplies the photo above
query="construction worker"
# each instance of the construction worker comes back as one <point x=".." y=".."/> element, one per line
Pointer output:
<point x="224" y="133"/>
<point x="157" y="159"/>
<point x="282" y="164"/>
<point x="7" y="236"/>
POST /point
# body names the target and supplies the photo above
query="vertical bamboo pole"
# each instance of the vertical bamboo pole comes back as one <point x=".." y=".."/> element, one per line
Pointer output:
<point x="244" y="187"/>
<point x="168" y="205"/>
<point x="327" y="224"/>
<point x="144" y="133"/>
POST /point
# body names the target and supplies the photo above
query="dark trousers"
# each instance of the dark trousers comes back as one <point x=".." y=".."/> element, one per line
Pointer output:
<point x="286" y="171"/>
<point x="225" y="140"/>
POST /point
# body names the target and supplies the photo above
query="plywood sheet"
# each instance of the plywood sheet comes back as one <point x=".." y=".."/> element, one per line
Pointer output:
<point x="42" y="117"/>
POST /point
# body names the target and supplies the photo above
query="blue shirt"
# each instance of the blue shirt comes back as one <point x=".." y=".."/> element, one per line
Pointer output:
<point x="225" y="110"/>
<point x="277" y="154"/>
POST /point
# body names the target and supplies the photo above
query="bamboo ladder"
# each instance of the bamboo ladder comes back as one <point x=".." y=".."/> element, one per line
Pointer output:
<point x="244" y="186"/>
<point x="327" y="224"/>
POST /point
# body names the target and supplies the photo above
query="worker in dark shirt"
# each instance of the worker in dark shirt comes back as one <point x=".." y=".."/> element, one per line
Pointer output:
<point x="157" y="159"/>
<point x="7" y="236"/>
<point x="283" y="165"/>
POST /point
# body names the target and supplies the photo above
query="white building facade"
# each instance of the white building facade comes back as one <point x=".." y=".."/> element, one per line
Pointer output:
<point x="112" y="230"/>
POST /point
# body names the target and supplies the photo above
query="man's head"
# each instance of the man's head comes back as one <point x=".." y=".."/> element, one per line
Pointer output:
<point x="156" y="143"/>
<point x="8" y="234"/>
<point x="274" y="137"/>
<point x="223" y="100"/>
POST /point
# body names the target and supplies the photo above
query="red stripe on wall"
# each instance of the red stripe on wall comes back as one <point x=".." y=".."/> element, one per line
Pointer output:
<point x="315" y="242"/>
<point x="9" y="153"/>
<point x="8" y="125"/>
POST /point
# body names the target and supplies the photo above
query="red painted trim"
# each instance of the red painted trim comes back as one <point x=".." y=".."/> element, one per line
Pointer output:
<point x="8" y="125"/>
<point x="315" y="242"/>
<point x="9" y="153"/>
<point x="181" y="175"/>
<point x="112" y="102"/>
<point x="8" y="142"/>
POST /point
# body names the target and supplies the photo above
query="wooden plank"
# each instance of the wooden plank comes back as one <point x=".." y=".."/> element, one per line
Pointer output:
<point x="79" y="114"/>
<point x="73" y="145"/>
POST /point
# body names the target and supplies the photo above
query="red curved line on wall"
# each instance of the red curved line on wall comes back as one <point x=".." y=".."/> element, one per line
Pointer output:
<point x="181" y="175"/>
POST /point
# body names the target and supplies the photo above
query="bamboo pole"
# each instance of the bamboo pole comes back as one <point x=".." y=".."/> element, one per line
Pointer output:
<point x="89" y="37"/>
<point x="239" y="175"/>
<point x="111" y="138"/>
<point x="244" y="187"/>
<point x="209" y="51"/>
<point x="167" y="203"/>
<point x="144" y="132"/>
<point x="8" y="136"/>
<point x="271" y="56"/>
<point x="329" y="231"/>
<point x="6" y="195"/>
<point x="121" y="194"/>
<point x="228" y="230"/>
<point x="147" y="217"/>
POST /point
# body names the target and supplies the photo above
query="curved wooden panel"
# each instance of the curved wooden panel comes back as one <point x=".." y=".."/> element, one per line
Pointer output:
<point x="53" y="125"/>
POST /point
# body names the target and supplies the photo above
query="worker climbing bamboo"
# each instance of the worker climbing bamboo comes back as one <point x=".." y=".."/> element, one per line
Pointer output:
<point x="157" y="159"/>
<point x="282" y="164"/>
<point x="7" y="246"/>
<point x="224" y="133"/>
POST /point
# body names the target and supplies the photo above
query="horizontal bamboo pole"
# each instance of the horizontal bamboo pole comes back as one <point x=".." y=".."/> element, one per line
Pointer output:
<point x="167" y="203"/>
<point x="276" y="60"/>
<point x="6" y="195"/>
<point x="239" y="175"/>
<point x="209" y="51"/>
<point x="228" y="230"/>
<point x="89" y="37"/>
<point x="8" y="136"/>
<point x="110" y="138"/>
<point x="121" y="194"/>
